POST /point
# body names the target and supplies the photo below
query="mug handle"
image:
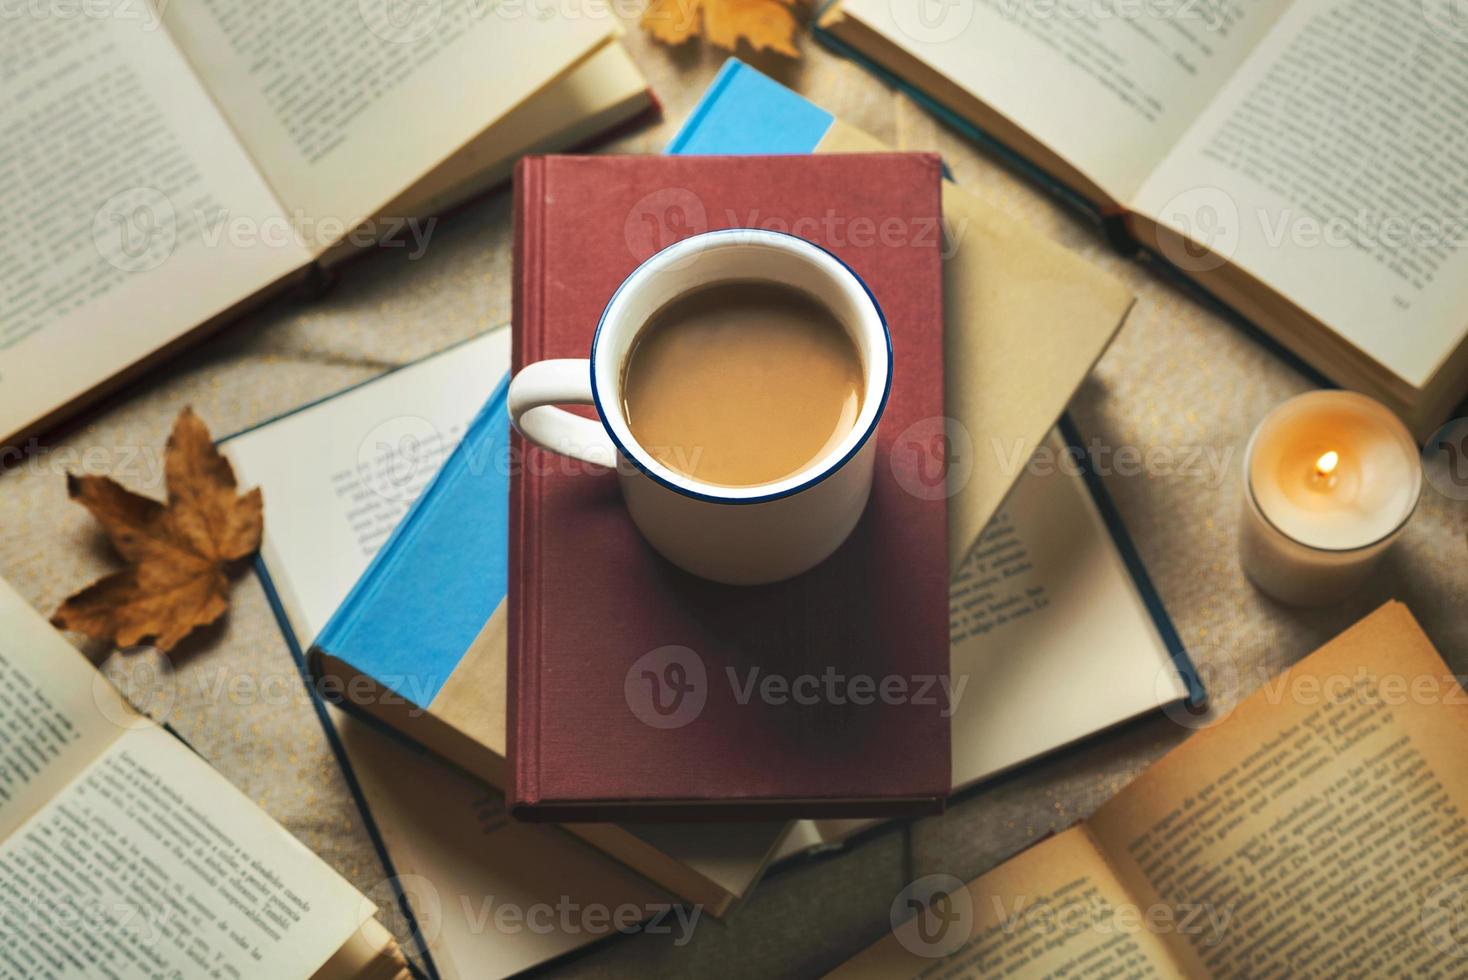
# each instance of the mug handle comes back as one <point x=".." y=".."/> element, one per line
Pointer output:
<point x="533" y="395"/>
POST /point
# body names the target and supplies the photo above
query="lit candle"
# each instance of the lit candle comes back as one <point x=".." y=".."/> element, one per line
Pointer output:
<point x="1330" y="479"/>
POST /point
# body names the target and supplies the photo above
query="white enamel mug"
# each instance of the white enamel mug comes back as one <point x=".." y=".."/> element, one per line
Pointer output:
<point x="736" y="535"/>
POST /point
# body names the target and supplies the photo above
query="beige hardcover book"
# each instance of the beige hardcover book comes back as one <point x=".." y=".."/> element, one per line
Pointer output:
<point x="1329" y="215"/>
<point x="122" y="853"/>
<point x="168" y="166"/>
<point x="1321" y="827"/>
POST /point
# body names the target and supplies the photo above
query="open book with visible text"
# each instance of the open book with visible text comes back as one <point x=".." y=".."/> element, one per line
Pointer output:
<point x="123" y="854"/>
<point x="165" y="164"/>
<point x="1302" y="160"/>
<point x="1317" y="830"/>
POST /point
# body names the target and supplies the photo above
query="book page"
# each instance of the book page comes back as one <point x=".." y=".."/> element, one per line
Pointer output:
<point x="329" y="513"/>
<point x="150" y="864"/>
<point x="345" y="105"/>
<point x="602" y="91"/>
<point x="1331" y="168"/>
<point x="1056" y="910"/>
<point x="466" y="867"/>
<point x="1046" y="621"/>
<point x="132" y="213"/>
<point x="1325" y="819"/>
<point x="1108" y="87"/>
<point x="57" y="713"/>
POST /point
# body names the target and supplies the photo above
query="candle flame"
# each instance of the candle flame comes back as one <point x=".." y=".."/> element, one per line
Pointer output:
<point x="1326" y="464"/>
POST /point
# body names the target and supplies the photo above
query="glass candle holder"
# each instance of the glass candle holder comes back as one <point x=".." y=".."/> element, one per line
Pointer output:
<point x="1330" y="480"/>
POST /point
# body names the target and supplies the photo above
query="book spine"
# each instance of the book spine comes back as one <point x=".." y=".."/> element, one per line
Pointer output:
<point x="522" y="671"/>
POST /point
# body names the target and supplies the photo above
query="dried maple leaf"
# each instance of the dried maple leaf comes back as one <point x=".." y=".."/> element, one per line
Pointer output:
<point x="177" y="553"/>
<point x="765" y="24"/>
<point x="672" y="21"/>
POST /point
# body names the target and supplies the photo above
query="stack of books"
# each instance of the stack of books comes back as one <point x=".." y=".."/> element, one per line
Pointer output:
<point x="432" y="644"/>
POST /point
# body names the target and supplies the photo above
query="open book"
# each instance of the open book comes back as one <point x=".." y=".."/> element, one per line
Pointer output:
<point x="123" y="854"/>
<point x="166" y="164"/>
<point x="1318" y="828"/>
<point x="1304" y="160"/>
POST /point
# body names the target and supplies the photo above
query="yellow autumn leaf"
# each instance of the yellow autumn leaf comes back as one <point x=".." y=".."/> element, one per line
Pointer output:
<point x="763" y="24"/>
<point x="178" y="553"/>
<point x="672" y="21"/>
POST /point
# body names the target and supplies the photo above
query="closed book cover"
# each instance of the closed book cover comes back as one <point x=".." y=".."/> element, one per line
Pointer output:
<point x="638" y="691"/>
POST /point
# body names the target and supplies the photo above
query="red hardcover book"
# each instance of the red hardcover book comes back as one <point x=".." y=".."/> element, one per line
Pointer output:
<point x="639" y="692"/>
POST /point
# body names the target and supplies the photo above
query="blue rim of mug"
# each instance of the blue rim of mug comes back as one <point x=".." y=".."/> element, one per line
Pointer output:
<point x="715" y="498"/>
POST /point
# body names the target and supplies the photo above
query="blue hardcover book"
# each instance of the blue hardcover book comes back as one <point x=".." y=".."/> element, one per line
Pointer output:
<point x="748" y="113"/>
<point x="410" y="500"/>
<point x="411" y="621"/>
